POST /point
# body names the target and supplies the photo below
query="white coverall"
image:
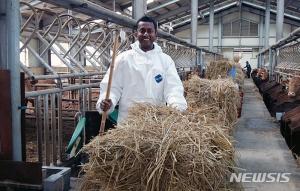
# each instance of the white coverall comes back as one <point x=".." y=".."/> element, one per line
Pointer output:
<point x="143" y="77"/>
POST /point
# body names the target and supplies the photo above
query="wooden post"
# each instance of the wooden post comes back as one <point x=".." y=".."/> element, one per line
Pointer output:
<point x="5" y="116"/>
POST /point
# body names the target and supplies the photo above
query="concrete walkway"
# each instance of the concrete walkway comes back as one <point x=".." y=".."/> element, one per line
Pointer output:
<point x="260" y="148"/>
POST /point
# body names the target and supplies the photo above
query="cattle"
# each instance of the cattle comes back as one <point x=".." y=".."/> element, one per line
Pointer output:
<point x="287" y="101"/>
<point x="292" y="130"/>
<point x="270" y="95"/>
<point x="273" y="93"/>
<point x="261" y="77"/>
<point x="262" y="73"/>
<point x="267" y="85"/>
<point x="294" y="86"/>
<point x="35" y="85"/>
<point x="278" y="99"/>
<point x="254" y="72"/>
<point x="284" y="105"/>
<point x="286" y="118"/>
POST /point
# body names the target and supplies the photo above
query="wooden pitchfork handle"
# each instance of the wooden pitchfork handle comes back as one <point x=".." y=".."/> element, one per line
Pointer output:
<point x="104" y="114"/>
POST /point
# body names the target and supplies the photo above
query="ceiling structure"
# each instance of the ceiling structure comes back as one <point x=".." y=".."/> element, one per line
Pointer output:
<point x="175" y="15"/>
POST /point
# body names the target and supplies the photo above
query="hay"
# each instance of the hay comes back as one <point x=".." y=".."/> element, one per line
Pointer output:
<point x="159" y="148"/>
<point x="218" y="69"/>
<point x="240" y="76"/>
<point x="222" y="93"/>
<point x="236" y="59"/>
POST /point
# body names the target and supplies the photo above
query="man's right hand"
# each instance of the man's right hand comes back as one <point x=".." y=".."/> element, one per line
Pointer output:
<point x="105" y="104"/>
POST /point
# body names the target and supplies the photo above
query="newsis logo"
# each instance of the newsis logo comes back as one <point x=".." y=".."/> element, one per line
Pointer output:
<point x="260" y="177"/>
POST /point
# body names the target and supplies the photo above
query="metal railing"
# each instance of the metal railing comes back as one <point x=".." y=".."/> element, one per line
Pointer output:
<point x="282" y="58"/>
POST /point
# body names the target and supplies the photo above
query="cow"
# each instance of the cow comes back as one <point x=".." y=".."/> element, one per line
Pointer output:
<point x="286" y="118"/>
<point x="293" y="90"/>
<point x="254" y="72"/>
<point x="287" y="101"/>
<point x="35" y="85"/>
<point x="284" y="105"/>
<point x="292" y="133"/>
<point x="261" y="77"/>
<point x="263" y="74"/>
<point x="294" y="86"/>
<point x="268" y="85"/>
<point x="270" y="96"/>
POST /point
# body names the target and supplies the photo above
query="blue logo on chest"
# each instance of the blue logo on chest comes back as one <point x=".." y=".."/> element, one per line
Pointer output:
<point x="158" y="78"/>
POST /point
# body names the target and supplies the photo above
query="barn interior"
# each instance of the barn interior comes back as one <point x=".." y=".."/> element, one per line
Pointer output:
<point x="54" y="55"/>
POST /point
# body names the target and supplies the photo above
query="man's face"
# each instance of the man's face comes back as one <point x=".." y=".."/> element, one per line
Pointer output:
<point x="146" y="35"/>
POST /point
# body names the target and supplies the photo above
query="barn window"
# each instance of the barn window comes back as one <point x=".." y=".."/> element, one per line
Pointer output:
<point x="253" y="29"/>
<point x="240" y="28"/>
<point x="245" y="28"/>
<point x="227" y="29"/>
<point x="235" y="28"/>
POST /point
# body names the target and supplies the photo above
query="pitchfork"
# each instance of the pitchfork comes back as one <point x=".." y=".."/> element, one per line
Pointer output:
<point x="104" y="114"/>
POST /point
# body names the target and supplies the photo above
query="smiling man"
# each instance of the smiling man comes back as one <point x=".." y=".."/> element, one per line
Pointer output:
<point x="143" y="74"/>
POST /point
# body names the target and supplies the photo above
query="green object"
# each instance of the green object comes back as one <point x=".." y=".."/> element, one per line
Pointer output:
<point x="77" y="133"/>
<point x="113" y="117"/>
<point x="77" y="139"/>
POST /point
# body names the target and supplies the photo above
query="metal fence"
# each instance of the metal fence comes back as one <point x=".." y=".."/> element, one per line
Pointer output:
<point x="282" y="58"/>
<point x="288" y="59"/>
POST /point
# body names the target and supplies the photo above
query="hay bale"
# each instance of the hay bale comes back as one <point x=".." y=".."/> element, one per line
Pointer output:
<point x="222" y="93"/>
<point x="159" y="148"/>
<point x="240" y="76"/>
<point x="236" y="59"/>
<point x="218" y="69"/>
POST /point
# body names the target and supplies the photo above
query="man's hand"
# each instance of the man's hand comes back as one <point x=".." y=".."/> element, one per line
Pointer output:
<point x="105" y="104"/>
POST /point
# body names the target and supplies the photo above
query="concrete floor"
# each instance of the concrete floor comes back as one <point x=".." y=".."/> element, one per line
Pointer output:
<point x="260" y="148"/>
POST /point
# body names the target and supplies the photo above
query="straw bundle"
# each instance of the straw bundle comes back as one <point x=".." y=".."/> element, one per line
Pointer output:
<point x="159" y="148"/>
<point x="240" y="76"/>
<point x="222" y="93"/>
<point x="218" y="69"/>
<point x="236" y="59"/>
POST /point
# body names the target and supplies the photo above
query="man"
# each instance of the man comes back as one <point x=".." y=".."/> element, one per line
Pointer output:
<point x="143" y="74"/>
<point x="248" y="66"/>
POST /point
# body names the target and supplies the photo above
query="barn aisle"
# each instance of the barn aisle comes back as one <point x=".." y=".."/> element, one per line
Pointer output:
<point x="260" y="148"/>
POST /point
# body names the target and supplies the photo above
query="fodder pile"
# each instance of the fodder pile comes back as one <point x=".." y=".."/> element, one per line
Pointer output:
<point x="240" y="76"/>
<point x="222" y="93"/>
<point x="218" y="69"/>
<point x="159" y="148"/>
